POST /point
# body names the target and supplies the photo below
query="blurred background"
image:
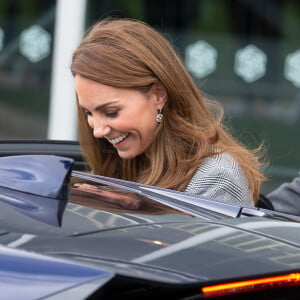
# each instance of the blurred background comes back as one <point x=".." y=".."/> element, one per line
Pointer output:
<point x="243" y="53"/>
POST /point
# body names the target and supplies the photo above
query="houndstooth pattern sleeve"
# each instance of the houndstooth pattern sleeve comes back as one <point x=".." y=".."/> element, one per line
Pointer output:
<point x="221" y="178"/>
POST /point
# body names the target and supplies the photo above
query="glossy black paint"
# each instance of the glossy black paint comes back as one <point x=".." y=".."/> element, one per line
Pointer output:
<point x="140" y="233"/>
<point x="27" y="276"/>
<point x="36" y="185"/>
<point x="40" y="175"/>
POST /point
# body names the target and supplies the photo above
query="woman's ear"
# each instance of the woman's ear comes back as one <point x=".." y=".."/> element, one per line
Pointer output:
<point x="161" y="94"/>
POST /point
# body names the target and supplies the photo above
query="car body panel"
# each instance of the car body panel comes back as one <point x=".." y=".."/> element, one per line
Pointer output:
<point x="120" y="229"/>
<point x="26" y="275"/>
<point x="201" y="251"/>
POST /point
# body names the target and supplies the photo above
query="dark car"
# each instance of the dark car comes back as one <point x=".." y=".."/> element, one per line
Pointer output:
<point x="67" y="234"/>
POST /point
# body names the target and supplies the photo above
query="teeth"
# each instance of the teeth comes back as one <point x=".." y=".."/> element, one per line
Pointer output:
<point x="118" y="139"/>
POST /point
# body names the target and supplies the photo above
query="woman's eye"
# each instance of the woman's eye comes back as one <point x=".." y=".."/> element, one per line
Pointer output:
<point x="87" y="113"/>
<point x="112" y="113"/>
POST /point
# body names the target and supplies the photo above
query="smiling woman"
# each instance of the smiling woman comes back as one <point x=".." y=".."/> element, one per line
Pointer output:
<point x="124" y="117"/>
<point x="142" y="118"/>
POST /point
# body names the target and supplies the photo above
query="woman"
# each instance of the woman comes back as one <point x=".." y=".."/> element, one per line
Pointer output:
<point x="142" y="118"/>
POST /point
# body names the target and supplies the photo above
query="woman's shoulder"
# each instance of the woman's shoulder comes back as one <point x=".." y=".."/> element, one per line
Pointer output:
<point x="221" y="177"/>
<point x="219" y="161"/>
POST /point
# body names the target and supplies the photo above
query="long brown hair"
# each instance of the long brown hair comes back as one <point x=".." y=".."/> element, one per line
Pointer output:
<point x="131" y="54"/>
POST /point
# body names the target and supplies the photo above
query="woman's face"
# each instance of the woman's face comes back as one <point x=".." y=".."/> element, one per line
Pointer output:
<point x="125" y="117"/>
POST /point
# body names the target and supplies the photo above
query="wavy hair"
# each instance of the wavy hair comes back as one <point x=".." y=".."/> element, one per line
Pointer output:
<point x="126" y="53"/>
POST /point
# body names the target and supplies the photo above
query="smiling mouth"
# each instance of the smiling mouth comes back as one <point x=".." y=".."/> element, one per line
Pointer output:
<point x="118" y="139"/>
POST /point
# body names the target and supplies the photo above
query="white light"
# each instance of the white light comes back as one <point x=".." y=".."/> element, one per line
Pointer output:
<point x="292" y="68"/>
<point x="1" y="38"/>
<point x="250" y="63"/>
<point x="35" y="43"/>
<point x="201" y="59"/>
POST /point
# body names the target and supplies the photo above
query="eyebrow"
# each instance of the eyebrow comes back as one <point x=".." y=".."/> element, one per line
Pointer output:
<point x="102" y="106"/>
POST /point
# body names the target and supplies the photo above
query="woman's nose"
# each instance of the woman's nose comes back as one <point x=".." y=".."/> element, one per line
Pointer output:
<point x="100" y="129"/>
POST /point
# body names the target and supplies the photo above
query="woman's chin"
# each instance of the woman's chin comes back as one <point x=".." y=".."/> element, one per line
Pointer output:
<point x="127" y="155"/>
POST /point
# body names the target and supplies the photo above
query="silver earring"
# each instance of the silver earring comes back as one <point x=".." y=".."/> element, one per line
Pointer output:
<point x="159" y="116"/>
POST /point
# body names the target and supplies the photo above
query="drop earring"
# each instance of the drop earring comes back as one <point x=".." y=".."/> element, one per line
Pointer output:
<point x="159" y="116"/>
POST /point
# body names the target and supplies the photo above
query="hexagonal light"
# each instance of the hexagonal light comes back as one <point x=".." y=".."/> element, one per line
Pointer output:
<point x="35" y="43"/>
<point x="292" y="68"/>
<point x="201" y="59"/>
<point x="250" y="63"/>
<point x="1" y="38"/>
